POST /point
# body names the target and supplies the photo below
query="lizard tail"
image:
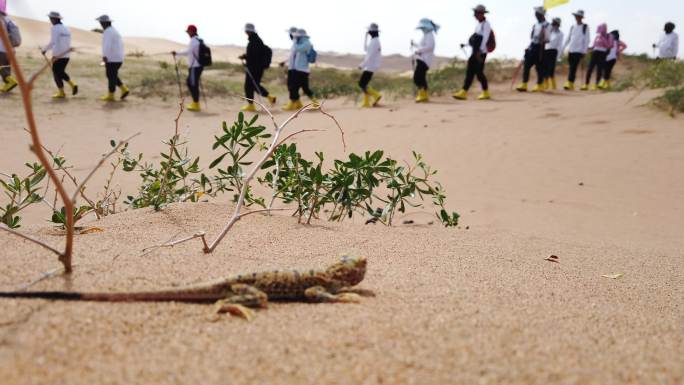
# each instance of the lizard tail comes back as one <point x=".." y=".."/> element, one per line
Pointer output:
<point x="151" y="296"/>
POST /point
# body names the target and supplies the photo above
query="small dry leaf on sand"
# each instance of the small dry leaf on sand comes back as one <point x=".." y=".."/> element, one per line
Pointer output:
<point x="553" y="258"/>
<point x="612" y="276"/>
<point x="89" y="230"/>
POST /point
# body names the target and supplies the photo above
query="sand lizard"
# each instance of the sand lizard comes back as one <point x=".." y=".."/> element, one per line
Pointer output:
<point x="236" y="294"/>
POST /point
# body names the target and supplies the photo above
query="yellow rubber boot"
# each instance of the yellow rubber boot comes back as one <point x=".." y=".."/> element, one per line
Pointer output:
<point x="10" y="83"/>
<point x="292" y="105"/>
<point x="109" y="97"/>
<point x="249" y="107"/>
<point x="584" y="87"/>
<point x="271" y="99"/>
<point x="538" y="88"/>
<point x="74" y="87"/>
<point x="484" y="95"/>
<point x="522" y="87"/>
<point x="124" y="92"/>
<point x="553" y="84"/>
<point x="460" y="95"/>
<point x="194" y="106"/>
<point x="375" y="95"/>
<point x="59" y="94"/>
<point x="606" y="84"/>
<point x="366" y="101"/>
<point x="422" y="96"/>
<point x="594" y="87"/>
<point x="314" y="103"/>
<point x="602" y="84"/>
<point x="569" y="86"/>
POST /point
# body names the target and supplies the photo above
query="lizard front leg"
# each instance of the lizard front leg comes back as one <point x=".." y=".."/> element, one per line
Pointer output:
<point x="241" y="299"/>
<point x="321" y="294"/>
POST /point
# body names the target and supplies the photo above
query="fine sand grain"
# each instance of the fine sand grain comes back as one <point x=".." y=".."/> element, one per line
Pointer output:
<point x="593" y="179"/>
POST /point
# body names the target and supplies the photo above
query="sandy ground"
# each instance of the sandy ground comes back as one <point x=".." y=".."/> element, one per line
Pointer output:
<point x="594" y="179"/>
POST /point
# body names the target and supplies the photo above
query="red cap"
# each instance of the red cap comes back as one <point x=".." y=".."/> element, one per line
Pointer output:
<point x="192" y="28"/>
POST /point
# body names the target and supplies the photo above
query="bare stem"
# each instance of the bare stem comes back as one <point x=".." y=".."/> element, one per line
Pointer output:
<point x="25" y="88"/>
<point x="30" y="238"/>
<point x="98" y="165"/>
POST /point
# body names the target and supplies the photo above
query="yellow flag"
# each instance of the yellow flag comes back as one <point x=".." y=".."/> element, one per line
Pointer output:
<point x="548" y="4"/>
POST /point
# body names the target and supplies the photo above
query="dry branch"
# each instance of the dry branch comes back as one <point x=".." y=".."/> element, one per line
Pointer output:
<point x="65" y="257"/>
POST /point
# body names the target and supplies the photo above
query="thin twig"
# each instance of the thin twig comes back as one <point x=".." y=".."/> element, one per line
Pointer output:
<point x="43" y="277"/>
<point x="294" y="134"/>
<point x="344" y="143"/>
<point x="172" y="148"/>
<point x="25" y="88"/>
<point x="98" y="165"/>
<point x="30" y="238"/>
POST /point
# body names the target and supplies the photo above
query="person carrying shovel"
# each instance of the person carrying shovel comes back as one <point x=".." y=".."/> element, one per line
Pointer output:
<point x="195" y="67"/>
<point x="60" y="44"/>
<point x="256" y="59"/>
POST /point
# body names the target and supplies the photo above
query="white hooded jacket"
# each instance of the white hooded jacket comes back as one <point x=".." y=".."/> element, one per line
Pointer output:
<point x="112" y="45"/>
<point x="60" y="41"/>
<point x="426" y="48"/>
<point x="373" y="56"/>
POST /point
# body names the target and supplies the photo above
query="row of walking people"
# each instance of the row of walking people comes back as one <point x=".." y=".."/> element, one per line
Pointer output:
<point x="546" y="48"/>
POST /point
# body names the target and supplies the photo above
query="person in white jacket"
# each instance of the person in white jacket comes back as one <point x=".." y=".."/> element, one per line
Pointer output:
<point x="534" y="54"/>
<point x="113" y="57"/>
<point x="476" y="63"/>
<point x="371" y="63"/>
<point x="552" y="52"/>
<point x="195" y="68"/>
<point x="668" y="46"/>
<point x="577" y="44"/>
<point x="60" y="45"/>
<point x="424" y="54"/>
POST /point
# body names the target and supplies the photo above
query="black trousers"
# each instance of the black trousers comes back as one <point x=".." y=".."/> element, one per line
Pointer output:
<point x="366" y="77"/>
<point x="193" y="82"/>
<point x="533" y="58"/>
<point x="300" y="79"/>
<point x="59" y="72"/>
<point x="550" y="57"/>
<point x="476" y="68"/>
<point x="574" y="59"/>
<point x="112" y="70"/>
<point x="608" y="72"/>
<point x="253" y="82"/>
<point x="5" y="69"/>
<point x="598" y="61"/>
<point x="420" y="74"/>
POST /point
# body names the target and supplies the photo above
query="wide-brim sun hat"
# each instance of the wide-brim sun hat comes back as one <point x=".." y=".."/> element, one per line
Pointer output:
<point x="291" y="30"/>
<point x="480" y="9"/>
<point x="556" y="21"/>
<point x="104" y="19"/>
<point x="249" y="27"/>
<point x="426" y="24"/>
<point x="373" y="27"/>
<point x="579" y="13"/>
<point x="540" y="10"/>
<point x="300" y="33"/>
<point x="54" y="15"/>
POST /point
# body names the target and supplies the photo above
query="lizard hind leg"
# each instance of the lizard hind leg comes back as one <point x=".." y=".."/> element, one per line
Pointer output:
<point x="321" y="294"/>
<point x="242" y="298"/>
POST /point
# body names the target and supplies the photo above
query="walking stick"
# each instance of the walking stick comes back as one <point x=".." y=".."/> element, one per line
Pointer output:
<point x="180" y="88"/>
<point x="257" y="89"/>
<point x="516" y="73"/>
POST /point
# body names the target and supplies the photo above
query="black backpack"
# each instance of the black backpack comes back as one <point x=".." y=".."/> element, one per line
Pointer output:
<point x="267" y="56"/>
<point x="204" y="58"/>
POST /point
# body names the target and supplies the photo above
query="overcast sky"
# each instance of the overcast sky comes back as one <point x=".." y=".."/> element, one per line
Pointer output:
<point x="339" y="25"/>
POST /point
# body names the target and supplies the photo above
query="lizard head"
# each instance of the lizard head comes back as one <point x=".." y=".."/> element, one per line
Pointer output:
<point x="350" y="270"/>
